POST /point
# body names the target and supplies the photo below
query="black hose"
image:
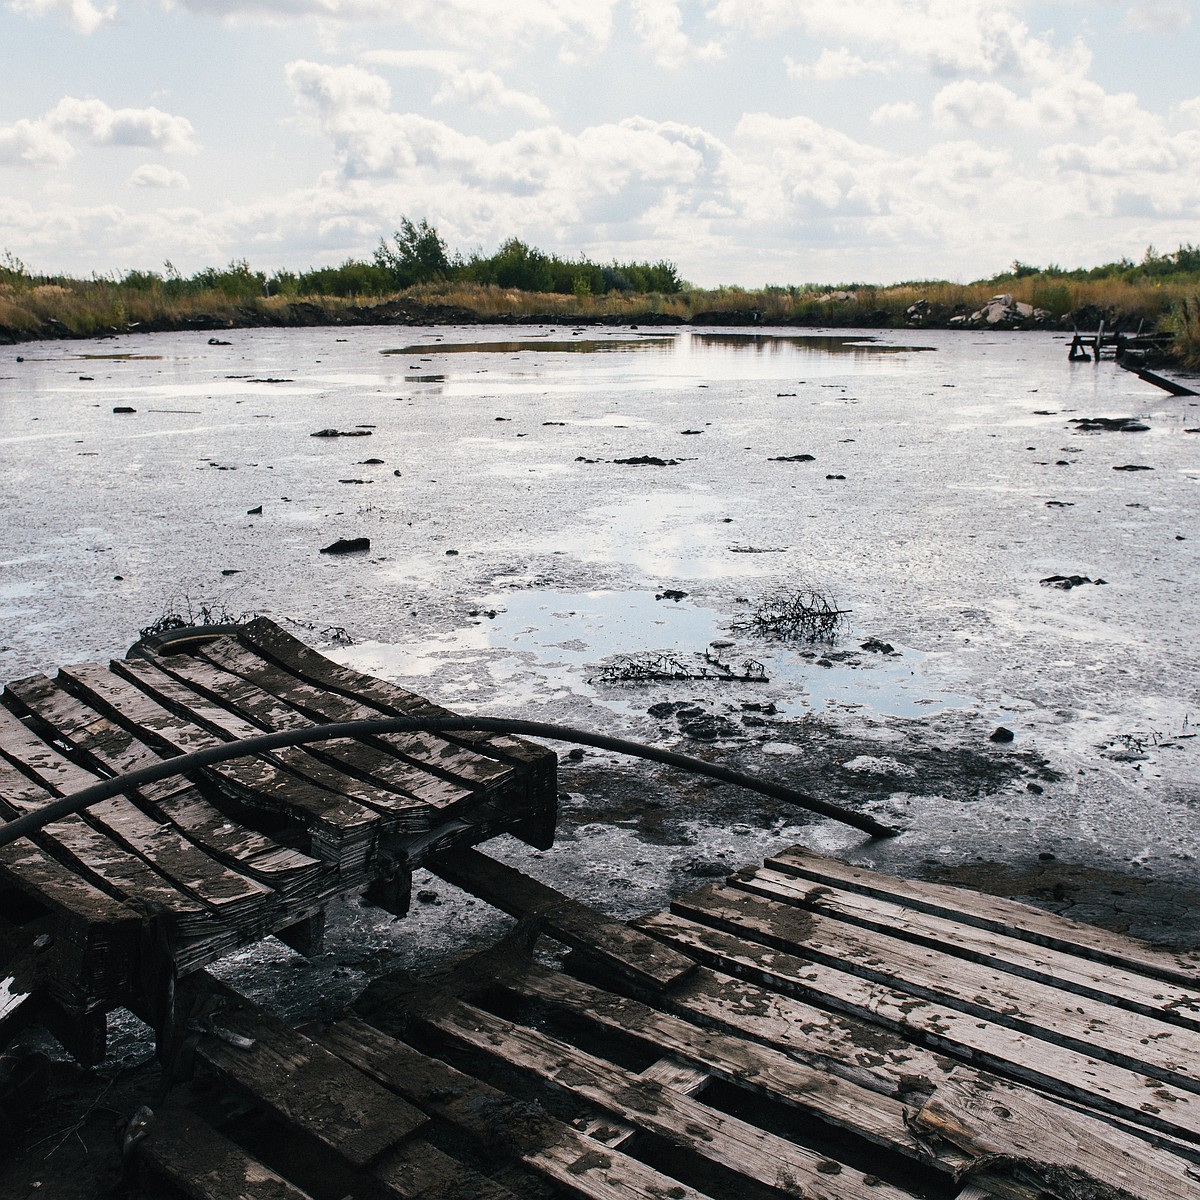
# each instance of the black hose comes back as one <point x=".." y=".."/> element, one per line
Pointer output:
<point x="375" y="726"/>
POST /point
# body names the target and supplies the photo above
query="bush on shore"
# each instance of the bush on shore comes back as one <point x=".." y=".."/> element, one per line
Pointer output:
<point x="413" y="276"/>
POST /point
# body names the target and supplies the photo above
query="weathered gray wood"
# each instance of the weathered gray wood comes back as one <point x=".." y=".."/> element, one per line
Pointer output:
<point x="108" y="747"/>
<point x="538" y="763"/>
<point x="1067" y="1154"/>
<point x="433" y="753"/>
<point x="686" y="1123"/>
<point x="301" y="1082"/>
<point x="211" y="695"/>
<point x="186" y="1152"/>
<point x="996" y="914"/>
<point x="103" y="863"/>
<point x="870" y="1114"/>
<point x="792" y="1021"/>
<point x="619" y="947"/>
<point x="502" y="1127"/>
<point x="415" y="1170"/>
<point x="1106" y="982"/>
<point x="1140" y="1043"/>
<point x="341" y="828"/>
<point x="92" y="936"/>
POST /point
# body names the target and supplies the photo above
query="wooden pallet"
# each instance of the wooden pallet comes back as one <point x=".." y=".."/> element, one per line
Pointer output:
<point x="804" y="1029"/>
<point x="107" y="907"/>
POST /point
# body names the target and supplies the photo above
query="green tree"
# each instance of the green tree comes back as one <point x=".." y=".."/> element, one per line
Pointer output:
<point x="416" y="254"/>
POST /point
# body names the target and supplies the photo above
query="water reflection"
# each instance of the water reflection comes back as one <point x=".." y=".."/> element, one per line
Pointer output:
<point x="683" y="343"/>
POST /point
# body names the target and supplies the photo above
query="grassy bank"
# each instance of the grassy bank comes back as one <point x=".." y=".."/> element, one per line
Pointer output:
<point x="1163" y="292"/>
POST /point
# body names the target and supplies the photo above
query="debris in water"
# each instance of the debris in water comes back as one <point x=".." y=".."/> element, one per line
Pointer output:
<point x="347" y="546"/>
<point x="806" y="614"/>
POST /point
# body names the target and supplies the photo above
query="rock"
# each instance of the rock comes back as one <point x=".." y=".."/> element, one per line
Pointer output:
<point x="671" y="594"/>
<point x="1132" y="467"/>
<point x="124" y="408"/>
<point x="347" y="546"/>
<point x="835" y="477"/>
<point x="793" y="458"/>
<point x="878" y="647"/>
<point x="1035" y="788"/>
<point x="646" y="460"/>
<point x="332" y="433"/>
<point x="1003" y="310"/>
<point x="1109" y="425"/>
<point x="1001" y="734"/>
<point x="576" y="753"/>
<point x="664" y="709"/>
<point x="254" y="512"/>
<point x="916" y="313"/>
<point x="1067" y="582"/>
<point x="451" y="553"/>
<point x="218" y="342"/>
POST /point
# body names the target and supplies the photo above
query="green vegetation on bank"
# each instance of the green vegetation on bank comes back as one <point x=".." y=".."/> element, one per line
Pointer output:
<point x="413" y="276"/>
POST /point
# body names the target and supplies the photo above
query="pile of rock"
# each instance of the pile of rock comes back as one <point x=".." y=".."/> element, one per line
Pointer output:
<point x="1005" y="312"/>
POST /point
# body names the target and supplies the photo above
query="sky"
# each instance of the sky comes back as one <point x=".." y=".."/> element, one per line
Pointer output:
<point x="750" y="142"/>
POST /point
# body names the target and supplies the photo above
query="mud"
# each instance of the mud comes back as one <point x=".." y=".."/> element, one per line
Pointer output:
<point x="503" y="574"/>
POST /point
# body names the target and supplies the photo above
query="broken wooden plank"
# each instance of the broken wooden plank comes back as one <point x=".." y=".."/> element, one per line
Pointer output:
<point x="184" y="1151"/>
<point x="1108" y="983"/>
<point x="995" y="914"/>
<point x="697" y="1054"/>
<point x="302" y="1083"/>
<point x="415" y="1170"/>
<point x="502" y="1127"/>
<point x="1063" y="1153"/>
<point x="792" y="1021"/>
<point x="613" y="943"/>
<point x="690" y="1126"/>
<point x="1140" y="1043"/>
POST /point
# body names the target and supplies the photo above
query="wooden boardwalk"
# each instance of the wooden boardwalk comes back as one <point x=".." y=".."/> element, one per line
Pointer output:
<point x="803" y="1029"/>
<point x="113" y="906"/>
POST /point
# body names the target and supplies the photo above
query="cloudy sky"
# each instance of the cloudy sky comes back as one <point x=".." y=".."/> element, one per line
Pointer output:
<point x="750" y="141"/>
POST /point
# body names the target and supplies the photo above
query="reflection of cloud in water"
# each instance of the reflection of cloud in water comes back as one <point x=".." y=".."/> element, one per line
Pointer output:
<point x="543" y="645"/>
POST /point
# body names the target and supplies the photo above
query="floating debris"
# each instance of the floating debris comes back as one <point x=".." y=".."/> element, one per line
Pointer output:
<point x="332" y="433"/>
<point x="1109" y="425"/>
<point x="347" y="546"/>
<point x="1067" y="582"/>
<point x="655" y="667"/>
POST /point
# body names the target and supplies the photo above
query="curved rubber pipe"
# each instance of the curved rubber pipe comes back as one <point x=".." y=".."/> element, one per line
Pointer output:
<point x="370" y="727"/>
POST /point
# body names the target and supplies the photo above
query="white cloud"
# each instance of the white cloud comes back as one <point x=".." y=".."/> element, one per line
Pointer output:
<point x="82" y="15"/>
<point x="980" y="37"/>
<point x="1189" y="110"/>
<point x="486" y="90"/>
<point x="831" y="65"/>
<point x="1065" y="103"/>
<point x="155" y="175"/>
<point x="659" y="23"/>
<point x="1162" y="18"/>
<point x="896" y="113"/>
<point x="49" y="140"/>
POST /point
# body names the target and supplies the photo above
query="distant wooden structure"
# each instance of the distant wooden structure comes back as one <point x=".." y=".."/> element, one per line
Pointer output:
<point x="805" y="1028"/>
<point x="115" y="906"/>
<point x="1089" y="346"/>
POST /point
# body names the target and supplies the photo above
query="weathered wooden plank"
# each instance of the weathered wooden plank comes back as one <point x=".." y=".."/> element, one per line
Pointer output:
<point x="191" y="870"/>
<point x="779" y="1006"/>
<point x="1140" y="1043"/>
<point x="93" y="937"/>
<point x="499" y="1125"/>
<point x="79" y="846"/>
<point x="996" y="914"/>
<point x="341" y="828"/>
<point x="1065" y="1153"/>
<point x="377" y="772"/>
<point x="455" y="762"/>
<point x="539" y="764"/>
<point x="704" y="1053"/>
<point x="300" y="1081"/>
<point x="187" y="1153"/>
<point x="415" y="1170"/>
<point x="108" y="747"/>
<point x="1111" y="984"/>
<point x="642" y="958"/>
<point x="687" y="1124"/>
